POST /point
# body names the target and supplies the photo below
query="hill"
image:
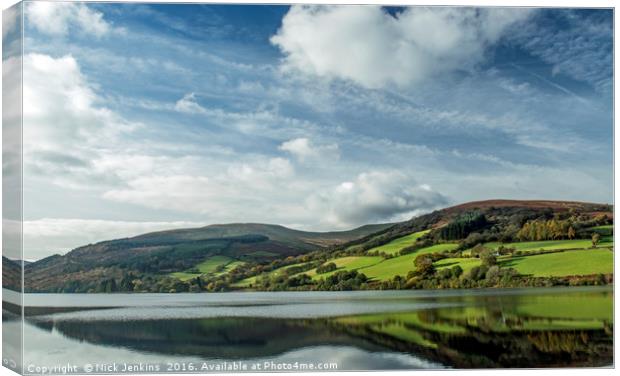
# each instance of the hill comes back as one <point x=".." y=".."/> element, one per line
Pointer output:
<point x="494" y="243"/>
<point x="154" y="254"/>
<point x="11" y="274"/>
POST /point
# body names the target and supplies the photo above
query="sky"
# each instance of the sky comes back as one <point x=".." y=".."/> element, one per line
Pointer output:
<point x="144" y="117"/>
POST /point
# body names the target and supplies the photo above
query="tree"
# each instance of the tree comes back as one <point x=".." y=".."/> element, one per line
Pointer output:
<point x="330" y="267"/>
<point x="488" y="257"/>
<point x="445" y="273"/>
<point x="492" y="275"/>
<point x="478" y="250"/>
<point x="571" y="233"/>
<point x="478" y="272"/>
<point x="424" y="265"/>
<point x="596" y="237"/>
<point x="457" y="271"/>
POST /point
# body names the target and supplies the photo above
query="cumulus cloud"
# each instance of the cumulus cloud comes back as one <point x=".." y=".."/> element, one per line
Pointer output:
<point x="305" y="150"/>
<point x="373" y="48"/>
<point x="65" y="124"/>
<point x="58" y="18"/>
<point x="45" y="236"/>
<point x="374" y="197"/>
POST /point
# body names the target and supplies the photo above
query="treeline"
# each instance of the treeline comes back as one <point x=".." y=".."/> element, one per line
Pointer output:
<point x="547" y="230"/>
<point x="463" y="225"/>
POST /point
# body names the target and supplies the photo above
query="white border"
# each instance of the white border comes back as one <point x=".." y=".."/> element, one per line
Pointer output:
<point x="522" y="3"/>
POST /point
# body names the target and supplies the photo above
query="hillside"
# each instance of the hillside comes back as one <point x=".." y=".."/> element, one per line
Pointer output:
<point x="164" y="252"/>
<point x="11" y="274"/>
<point x="494" y="243"/>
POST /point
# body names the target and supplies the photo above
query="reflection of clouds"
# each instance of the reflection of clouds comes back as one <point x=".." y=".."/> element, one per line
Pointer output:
<point x="39" y="343"/>
<point x="351" y="358"/>
<point x="50" y="348"/>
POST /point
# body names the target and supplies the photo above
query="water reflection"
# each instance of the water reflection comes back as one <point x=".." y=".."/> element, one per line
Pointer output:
<point x="465" y="331"/>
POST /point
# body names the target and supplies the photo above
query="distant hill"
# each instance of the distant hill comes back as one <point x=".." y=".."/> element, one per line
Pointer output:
<point x="11" y="274"/>
<point x="176" y="250"/>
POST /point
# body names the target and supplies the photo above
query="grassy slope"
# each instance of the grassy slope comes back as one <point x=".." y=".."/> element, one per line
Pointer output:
<point x="348" y="263"/>
<point x="465" y="263"/>
<point x="209" y="266"/>
<point x="583" y="262"/>
<point x="549" y="245"/>
<point x="580" y="262"/>
<point x="274" y="273"/>
<point x="393" y="247"/>
<point x="401" y="265"/>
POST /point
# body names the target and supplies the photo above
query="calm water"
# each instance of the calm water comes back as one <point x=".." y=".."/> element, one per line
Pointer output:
<point x="341" y="331"/>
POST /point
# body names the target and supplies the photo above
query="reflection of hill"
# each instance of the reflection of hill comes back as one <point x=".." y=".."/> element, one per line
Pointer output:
<point x="462" y="340"/>
<point x="554" y="328"/>
<point x="223" y="338"/>
<point x="486" y="337"/>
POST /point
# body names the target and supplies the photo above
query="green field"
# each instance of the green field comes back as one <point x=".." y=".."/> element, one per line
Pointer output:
<point x="576" y="257"/>
<point x="401" y="265"/>
<point x="209" y="267"/>
<point x="465" y="263"/>
<point x="393" y="247"/>
<point x="347" y="263"/>
<point x="549" y="245"/>
<point x="272" y="274"/>
<point x="559" y="264"/>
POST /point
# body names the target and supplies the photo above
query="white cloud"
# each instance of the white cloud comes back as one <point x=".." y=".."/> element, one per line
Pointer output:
<point x="263" y="122"/>
<point x="65" y="125"/>
<point x="11" y="120"/>
<point x="45" y="236"/>
<point x="367" y="45"/>
<point x="305" y="150"/>
<point x="59" y="18"/>
<point x="241" y="190"/>
<point x="374" y="197"/>
<point x="188" y="105"/>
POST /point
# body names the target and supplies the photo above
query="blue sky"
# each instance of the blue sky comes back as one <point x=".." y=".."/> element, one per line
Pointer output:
<point x="141" y="117"/>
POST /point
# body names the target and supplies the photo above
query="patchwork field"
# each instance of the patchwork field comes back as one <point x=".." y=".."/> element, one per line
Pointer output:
<point x="568" y="258"/>
<point x="401" y="265"/>
<point x="465" y="263"/>
<point x="347" y="263"/>
<point x="393" y="247"/>
<point x="551" y="244"/>
<point x="209" y="267"/>
<point x="272" y="274"/>
<point x="559" y="264"/>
